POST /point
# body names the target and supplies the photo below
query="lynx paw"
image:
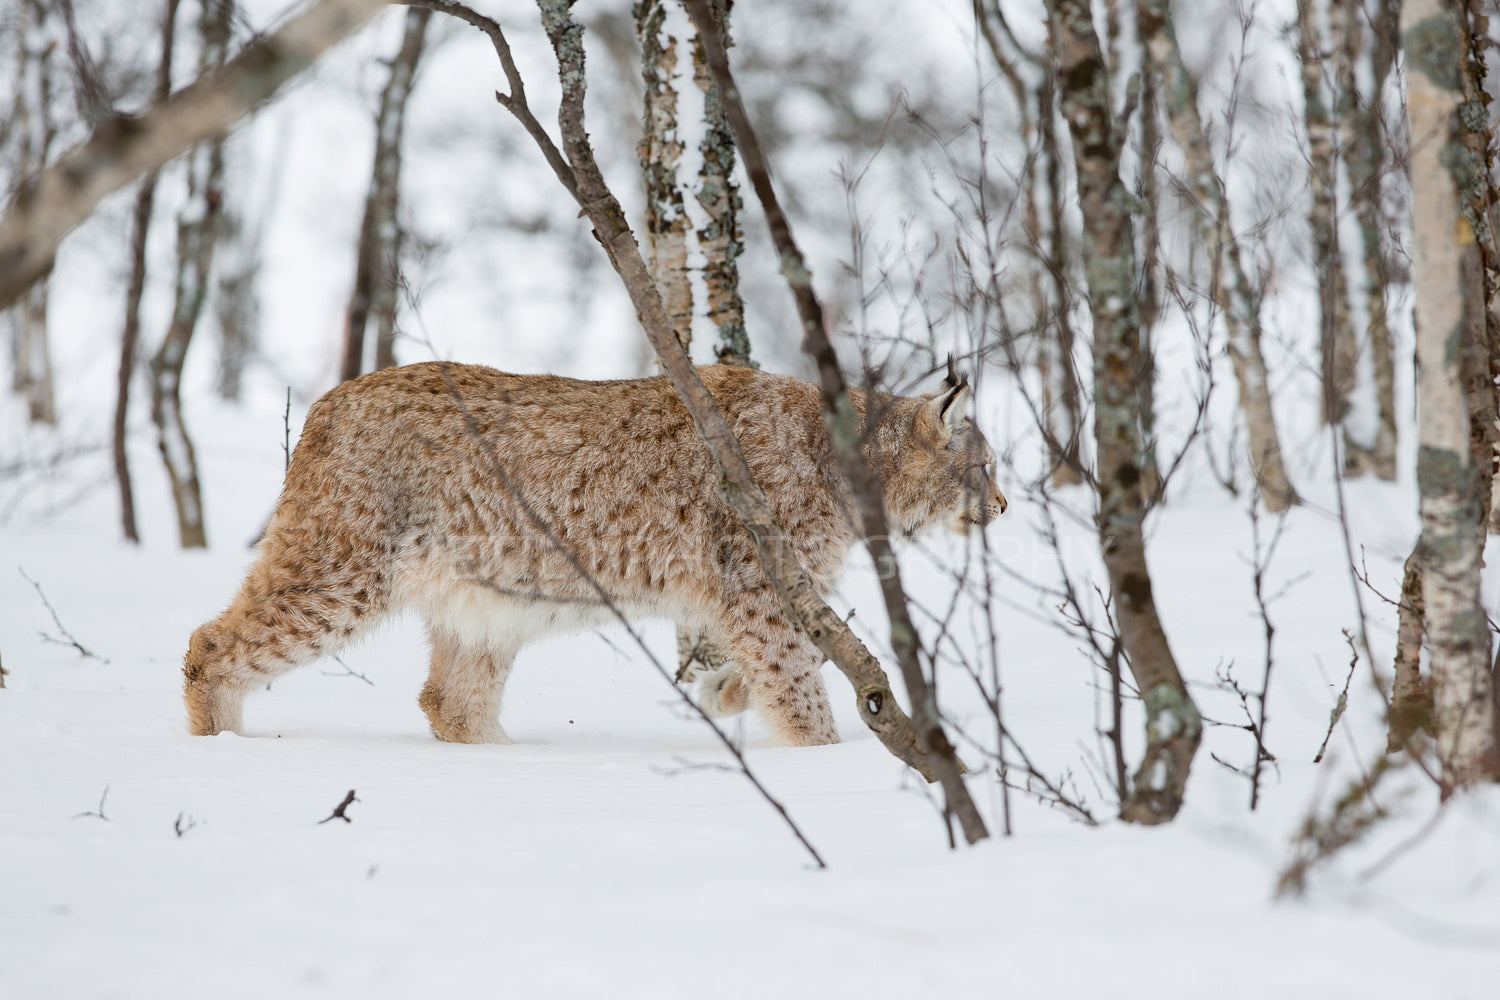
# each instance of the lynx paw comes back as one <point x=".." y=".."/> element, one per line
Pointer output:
<point x="722" y="692"/>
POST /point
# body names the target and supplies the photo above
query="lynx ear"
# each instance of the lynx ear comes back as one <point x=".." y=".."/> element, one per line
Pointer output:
<point x="945" y="412"/>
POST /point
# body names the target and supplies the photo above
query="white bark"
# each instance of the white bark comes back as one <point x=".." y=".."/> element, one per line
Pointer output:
<point x="1449" y="302"/>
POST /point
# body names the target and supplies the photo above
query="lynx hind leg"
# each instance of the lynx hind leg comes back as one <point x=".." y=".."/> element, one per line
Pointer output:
<point x="723" y="692"/>
<point x="781" y="674"/>
<point x="464" y="687"/>
<point x="287" y="613"/>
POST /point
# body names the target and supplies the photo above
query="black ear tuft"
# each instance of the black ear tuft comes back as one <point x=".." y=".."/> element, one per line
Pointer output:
<point x="953" y="379"/>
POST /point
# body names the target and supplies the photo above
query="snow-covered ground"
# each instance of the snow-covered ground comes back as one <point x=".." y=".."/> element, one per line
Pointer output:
<point x="610" y="852"/>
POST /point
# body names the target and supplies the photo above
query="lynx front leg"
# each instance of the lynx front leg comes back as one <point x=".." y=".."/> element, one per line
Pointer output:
<point x="464" y="686"/>
<point x="778" y="669"/>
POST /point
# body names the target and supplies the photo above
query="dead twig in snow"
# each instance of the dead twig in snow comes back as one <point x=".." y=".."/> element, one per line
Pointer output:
<point x="348" y="671"/>
<point x="67" y="639"/>
<point x="182" y="824"/>
<point x="96" y="812"/>
<point x="338" y="810"/>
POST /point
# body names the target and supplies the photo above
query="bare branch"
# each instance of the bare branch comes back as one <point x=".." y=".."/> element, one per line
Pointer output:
<point x="839" y="414"/>
<point x="515" y="101"/>
<point x="125" y="147"/>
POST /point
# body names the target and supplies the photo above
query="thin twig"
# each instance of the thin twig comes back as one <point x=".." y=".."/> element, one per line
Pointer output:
<point x="348" y="672"/>
<point x="68" y="636"/>
<point x="1339" y="706"/>
<point x="515" y="101"/>
<point x="97" y="812"/>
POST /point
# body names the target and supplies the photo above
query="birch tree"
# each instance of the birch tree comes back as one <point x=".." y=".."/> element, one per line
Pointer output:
<point x="140" y="229"/>
<point x="666" y="224"/>
<point x="1061" y="417"/>
<point x="36" y="127"/>
<point x="1339" y="347"/>
<point x="1365" y="147"/>
<point x="1229" y="286"/>
<point x="660" y="152"/>
<point x="1449" y="182"/>
<point x="1173" y="725"/>
<point x="720" y="237"/>
<point x="197" y="232"/>
<point x="377" y="273"/>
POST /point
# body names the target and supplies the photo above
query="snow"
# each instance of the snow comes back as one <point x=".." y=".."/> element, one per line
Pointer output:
<point x="613" y="850"/>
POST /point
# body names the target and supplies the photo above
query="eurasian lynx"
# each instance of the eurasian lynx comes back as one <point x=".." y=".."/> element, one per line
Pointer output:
<point x="482" y="500"/>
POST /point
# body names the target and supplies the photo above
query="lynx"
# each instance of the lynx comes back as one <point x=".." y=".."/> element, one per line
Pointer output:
<point x="507" y="507"/>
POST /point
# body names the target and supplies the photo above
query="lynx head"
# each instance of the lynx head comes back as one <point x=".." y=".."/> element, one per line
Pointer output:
<point x="938" y="469"/>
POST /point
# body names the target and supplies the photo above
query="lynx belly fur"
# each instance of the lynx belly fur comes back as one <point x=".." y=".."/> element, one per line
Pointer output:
<point x="503" y="507"/>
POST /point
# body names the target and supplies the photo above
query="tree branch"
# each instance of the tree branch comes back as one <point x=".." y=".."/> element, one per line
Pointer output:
<point x="124" y="147"/>
<point x="580" y="174"/>
<point x="839" y="414"/>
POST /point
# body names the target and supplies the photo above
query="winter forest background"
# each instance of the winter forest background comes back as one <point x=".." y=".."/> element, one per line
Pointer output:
<point x="1222" y="676"/>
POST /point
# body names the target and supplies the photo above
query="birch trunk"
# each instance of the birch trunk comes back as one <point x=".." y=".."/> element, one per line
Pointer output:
<point x="377" y="273"/>
<point x="31" y="352"/>
<point x="1340" y="352"/>
<point x="1365" y="161"/>
<point x="1068" y="431"/>
<point x="197" y="233"/>
<point x="236" y="305"/>
<point x="1150" y="283"/>
<point x="660" y="152"/>
<point x="145" y="202"/>
<point x="720" y="238"/>
<point x="1411" y="697"/>
<point x="1451" y="325"/>
<point x="1230" y="292"/>
<point x="1173" y="725"/>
